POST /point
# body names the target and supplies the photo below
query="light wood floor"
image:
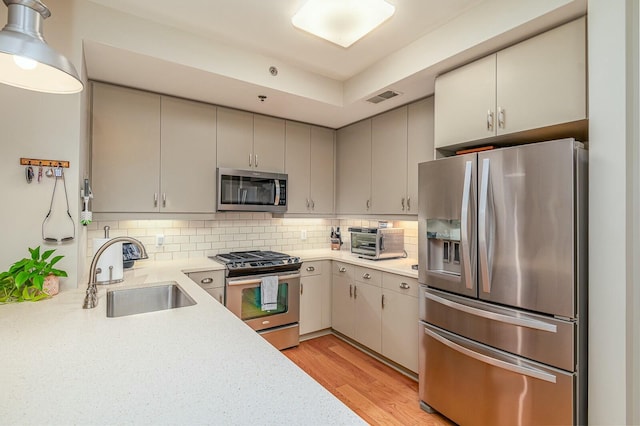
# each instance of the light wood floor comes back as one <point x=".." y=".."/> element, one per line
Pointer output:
<point x="375" y="391"/>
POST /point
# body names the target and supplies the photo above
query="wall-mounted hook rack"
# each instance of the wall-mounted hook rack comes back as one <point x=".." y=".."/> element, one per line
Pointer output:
<point x="44" y="163"/>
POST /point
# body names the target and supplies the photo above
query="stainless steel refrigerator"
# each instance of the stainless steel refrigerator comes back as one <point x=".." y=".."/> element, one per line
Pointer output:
<point x="502" y="269"/>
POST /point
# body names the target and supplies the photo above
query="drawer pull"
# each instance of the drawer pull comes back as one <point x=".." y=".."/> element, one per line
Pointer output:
<point x="367" y="276"/>
<point x="311" y="268"/>
<point x="206" y="280"/>
<point x="405" y="286"/>
<point x="342" y="269"/>
<point x="383" y="301"/>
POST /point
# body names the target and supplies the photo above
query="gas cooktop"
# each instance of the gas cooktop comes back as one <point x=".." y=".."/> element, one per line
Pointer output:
<point x="240" y="263"/>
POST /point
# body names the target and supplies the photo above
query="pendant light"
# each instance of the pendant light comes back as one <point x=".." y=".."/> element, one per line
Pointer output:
<point x="26" y="61"/>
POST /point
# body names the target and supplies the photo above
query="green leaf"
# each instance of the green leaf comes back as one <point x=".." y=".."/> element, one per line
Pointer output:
<point x="35" y="253"/>
<point x="21" y="278"/>
<point x="38" y="280"/>
<point x="48" y="253"/>
<point x="55" y="260"/>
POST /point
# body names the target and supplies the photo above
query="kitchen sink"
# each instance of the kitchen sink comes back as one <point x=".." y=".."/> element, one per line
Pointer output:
<point x="158" y="297"/>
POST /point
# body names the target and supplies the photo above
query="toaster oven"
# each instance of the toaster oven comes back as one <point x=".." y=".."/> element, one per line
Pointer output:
<point x="377" y="243"/>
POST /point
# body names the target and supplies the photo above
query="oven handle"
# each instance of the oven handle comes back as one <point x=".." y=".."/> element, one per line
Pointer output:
<point x="259" y="280"/>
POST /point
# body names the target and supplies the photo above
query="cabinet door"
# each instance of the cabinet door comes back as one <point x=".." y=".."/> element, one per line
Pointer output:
<point x="343" y="313"/>
<point x="125" y="158"/>
<point x="235" y="139"/>
<point x="419" y="146"/>
<point x="188" y="153"/>
<point x="325" y="315"/>
<point x="310" y="303"/>
<point x="542" y="81"/>
<point x="389" y="162"/>
<point x="464" y="99"/>
<point x="268" y="144"/>
<point x="368" y="300"/>
<point x="400" y="329"/>
<point x="321" y="191"/>
<point x="353" y="168"/>
<point x="297" y="160"/>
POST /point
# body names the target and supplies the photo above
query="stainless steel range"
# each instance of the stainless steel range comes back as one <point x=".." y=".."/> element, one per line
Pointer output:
<point x="263" y="289"/>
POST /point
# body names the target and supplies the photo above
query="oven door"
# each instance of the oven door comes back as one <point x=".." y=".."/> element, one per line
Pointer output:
<point x="243" y="299"/>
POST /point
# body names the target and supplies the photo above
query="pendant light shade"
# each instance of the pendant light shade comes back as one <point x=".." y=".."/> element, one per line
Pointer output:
<point x="26" y="61"/>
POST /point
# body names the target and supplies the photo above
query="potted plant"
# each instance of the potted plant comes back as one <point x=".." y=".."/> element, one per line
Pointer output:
<point x="32" y="279"/>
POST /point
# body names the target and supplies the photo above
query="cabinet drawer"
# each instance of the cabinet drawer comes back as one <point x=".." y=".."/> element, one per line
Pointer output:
<point x="344" y="270"/>
<point x="311" y="268"/>
<point x="368" y="276"/>
<point x="208" y="279"/>
<point x="400" y="284"/>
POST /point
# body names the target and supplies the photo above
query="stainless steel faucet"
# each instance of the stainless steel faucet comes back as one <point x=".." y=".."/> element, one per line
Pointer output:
<point x="91" y="299"/>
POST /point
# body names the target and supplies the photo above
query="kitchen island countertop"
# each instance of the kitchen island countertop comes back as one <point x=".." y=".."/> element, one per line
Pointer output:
<point x="193" y="365"/>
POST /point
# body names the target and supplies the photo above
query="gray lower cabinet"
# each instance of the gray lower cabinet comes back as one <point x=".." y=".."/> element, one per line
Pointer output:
<point x="315" y="296"/>
<point x="211" y="281"/>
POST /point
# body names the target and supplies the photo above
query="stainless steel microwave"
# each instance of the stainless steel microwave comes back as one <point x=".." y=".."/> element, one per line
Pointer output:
<point x="249" y="190"/>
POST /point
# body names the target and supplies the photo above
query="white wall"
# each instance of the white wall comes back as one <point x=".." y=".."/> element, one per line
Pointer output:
<point x="613" y="175"/>
<point x="43" y="126"/>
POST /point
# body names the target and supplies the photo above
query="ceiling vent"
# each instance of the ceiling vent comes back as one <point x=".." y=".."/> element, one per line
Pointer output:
<point x="383" y="96"/>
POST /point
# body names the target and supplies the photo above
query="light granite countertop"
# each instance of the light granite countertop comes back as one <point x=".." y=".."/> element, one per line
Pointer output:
<point x="193" y="365"/>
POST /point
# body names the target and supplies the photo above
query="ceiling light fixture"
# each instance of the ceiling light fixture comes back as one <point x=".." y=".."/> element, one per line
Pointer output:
<point x="342" y="22"/>
<point x="26" y="61"/>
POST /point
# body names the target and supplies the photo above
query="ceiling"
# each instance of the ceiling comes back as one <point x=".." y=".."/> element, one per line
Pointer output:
<point x="317" y="82"/>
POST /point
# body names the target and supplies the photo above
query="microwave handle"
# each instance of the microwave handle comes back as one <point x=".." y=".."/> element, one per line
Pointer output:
<point x="381" y="242"/>
<point x="277" y="200"/>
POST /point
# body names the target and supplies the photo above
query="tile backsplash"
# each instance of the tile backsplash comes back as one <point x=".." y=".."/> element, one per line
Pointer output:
<point x="238" y="231"/>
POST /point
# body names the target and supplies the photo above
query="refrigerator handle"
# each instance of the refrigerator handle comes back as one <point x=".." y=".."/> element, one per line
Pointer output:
<point x="494" y="316"/>
<point x="518" y="369"/>
<point x="464" y="225"/>
<point x="483" y="228"/>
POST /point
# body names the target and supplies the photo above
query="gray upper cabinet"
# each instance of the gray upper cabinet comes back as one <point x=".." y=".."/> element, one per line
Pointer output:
<point x="419" y="146"/>
<point x="125" y="166"/>
<point x="536" y="83"/>
<point x="142" y="144"/>
<point x="188" y="155"/>
<point x="389" y="162"/>
<point x="353" y="168"/>
<point x="309" y="163"/>
<point x="250" y="141"/>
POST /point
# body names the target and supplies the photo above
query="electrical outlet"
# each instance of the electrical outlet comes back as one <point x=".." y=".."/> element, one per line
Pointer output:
<point x="159" y="240"/>
<point x="303" y="234"/>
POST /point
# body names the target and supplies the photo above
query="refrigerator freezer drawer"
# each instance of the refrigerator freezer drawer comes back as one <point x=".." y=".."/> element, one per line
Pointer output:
<point x="473" y="384"/>
<point x="544" y="339"/>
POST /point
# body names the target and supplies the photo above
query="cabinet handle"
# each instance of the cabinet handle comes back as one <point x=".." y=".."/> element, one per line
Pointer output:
<point x="402" y="204"/>
<point x="408" y="203"/>
<point x="206" y="280"/>
<point x="313" y="204"/>
<point x="383" y="301"/>
<point x="501" y="117"/>
<point x="220" y="299"/>
<point x="490" y="120"/>
<point x="249" y="159"/>
<point x="405" y="286"/>
<point x="255" y="163"/>
<point x="350" y="290"/>
<point x="164" y="199"/>
<point x="367" y="276"/>
<point x="301" y="289"/>
<point x="155" y="199"/>
<point x="355" y="291"/>
<point x="311" y="268"/>
<point x="342" y="269"/>
<point x="368" y="204"/>
<point x="308" y="204"/>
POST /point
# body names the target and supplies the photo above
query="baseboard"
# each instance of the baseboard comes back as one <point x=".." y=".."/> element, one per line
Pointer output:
<point x="399" y="368"/>
<point x="315" y="334"/>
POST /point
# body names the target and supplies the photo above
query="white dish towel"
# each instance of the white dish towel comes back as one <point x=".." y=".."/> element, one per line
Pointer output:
<point x="269" y="293"/>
